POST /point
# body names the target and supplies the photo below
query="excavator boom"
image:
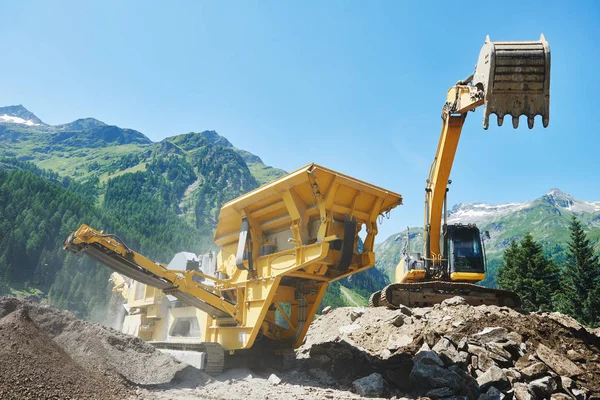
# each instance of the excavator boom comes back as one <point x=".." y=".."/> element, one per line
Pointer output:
<point x="510" y="78"/>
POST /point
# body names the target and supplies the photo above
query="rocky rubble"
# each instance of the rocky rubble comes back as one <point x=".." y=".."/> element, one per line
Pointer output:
<point x="450" y="351"/>
<point x="454" y="350"/>
<point x="48" y="351"/>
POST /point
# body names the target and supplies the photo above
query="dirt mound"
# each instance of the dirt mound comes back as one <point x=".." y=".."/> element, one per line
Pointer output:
<point x="454" y="349"/>
<point x="100" y="348"/>
<point x="34" y="367"/>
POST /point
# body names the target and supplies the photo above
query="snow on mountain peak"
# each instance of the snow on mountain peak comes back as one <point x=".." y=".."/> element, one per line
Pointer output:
<point x="479" y="212"/>
<point x="18" y="115"/>
<point x="474" y="212"/>
<point x="16" y="120"/>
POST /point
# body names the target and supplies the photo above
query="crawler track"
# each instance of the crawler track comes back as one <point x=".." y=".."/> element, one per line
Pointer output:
<point x="424" y="294"/>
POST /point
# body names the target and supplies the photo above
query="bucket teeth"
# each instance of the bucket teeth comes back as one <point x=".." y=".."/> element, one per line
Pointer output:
<point x="515" y="80"/>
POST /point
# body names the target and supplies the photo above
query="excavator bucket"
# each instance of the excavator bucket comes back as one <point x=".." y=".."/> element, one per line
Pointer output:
<point x="515" y="80"/>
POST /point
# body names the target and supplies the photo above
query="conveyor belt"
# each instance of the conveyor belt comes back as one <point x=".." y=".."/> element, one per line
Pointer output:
<point x="131" y="270"/>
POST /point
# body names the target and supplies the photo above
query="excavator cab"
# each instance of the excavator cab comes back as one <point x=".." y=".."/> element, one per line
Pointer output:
<point x="464" y="253"/>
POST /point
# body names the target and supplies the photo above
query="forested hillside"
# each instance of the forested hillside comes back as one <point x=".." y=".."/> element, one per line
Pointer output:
<point x="161" y="198"/>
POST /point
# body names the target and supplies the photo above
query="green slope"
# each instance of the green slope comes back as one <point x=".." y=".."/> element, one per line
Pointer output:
<point x="546" y="218"/>
<point x="161" y="198"/>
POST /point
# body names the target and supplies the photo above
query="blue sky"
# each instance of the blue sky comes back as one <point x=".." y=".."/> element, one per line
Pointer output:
<point x="355" y="86"/>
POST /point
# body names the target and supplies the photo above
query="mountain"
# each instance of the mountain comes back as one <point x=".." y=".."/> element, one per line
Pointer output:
<point x="160" y="197"/>
<point x="89" y="147"/>
<point x="547" y="218"/>
<point x="19" y="115"/>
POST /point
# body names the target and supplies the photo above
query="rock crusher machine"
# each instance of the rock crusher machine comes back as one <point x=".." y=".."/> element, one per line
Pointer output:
<point x="280" y="246"/>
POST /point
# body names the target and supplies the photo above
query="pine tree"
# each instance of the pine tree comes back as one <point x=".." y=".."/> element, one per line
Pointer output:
<point x="580" y="281"/>
<point x="526" y="271"/>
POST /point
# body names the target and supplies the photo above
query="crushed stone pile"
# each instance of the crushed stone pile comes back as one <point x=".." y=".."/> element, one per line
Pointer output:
<point x="454" y="350"/>
<point x="33" y="366"/>
<point x="99" y="350"/>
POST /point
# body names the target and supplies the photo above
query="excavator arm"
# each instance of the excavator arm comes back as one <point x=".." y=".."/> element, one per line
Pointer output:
<point x="510" y="78"/>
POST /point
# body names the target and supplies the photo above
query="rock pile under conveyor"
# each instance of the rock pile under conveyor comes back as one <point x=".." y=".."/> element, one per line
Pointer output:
<point x="97" y="351"/>
<point x="454" y="350"/>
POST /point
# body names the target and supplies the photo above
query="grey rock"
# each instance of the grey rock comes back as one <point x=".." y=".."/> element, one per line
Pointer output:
<point x="494" y="376"/>
<point x="448" y="352"/>
<point x="274" y="379"/>
<point x="326" y="310"/>
<point x="492" y="334"/>
<point x="321" y="376"/>
<point x="521" y="392"/>
<point x="580" y="393"/>
<point x="459" y="341"/>
<point x="492" y="394"/>
<point x="397" y="340"/>
<point x="514" y="336"/>
<point x="543" y="387"/>
<point x="523" y="347"/>
<point x="499" y="350"/>
<point x="405" y="310"/>
<point x="561" y="365"/>
<point x="356" y="313"/>
<point x="318" y="360"/>
<point x="385" y="354"/>
<point x="399" y="376"/>
<point x="512" y="374"/>
<point x="535" y="370"/>
<point x="431" y="338"/>
<point x="566" y="383"/>
<point x="484" y="360"/>
<point x="424" y="347"/>
<point x="566" y="321"/>
<point x="469" y="385"/>
<point x="397" y="321"/>
<point x="432" y="376"/>
<point x="427" y="358"/>
<point x="453" y="301"/>
<point x="575" y="356"/>
<point x="369" y="386"/>
<point x="440" y="393"/>
<point x="512" y="348"/>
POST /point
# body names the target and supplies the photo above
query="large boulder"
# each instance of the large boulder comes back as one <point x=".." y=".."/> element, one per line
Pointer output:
<point x="493" y="377"/>
<point x="561" y="365"/>
<point x="369" y="386"/>
<point x="521" y="392"/>
<point x="492" y="334"/>
<point x="428" y="372"/>
<point x="449" y="354"/>
<point x="535" y="370"/>
<point x="543" y="387"/>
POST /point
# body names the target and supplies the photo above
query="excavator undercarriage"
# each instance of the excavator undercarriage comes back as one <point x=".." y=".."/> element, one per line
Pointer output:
<point x="426" y="294"/>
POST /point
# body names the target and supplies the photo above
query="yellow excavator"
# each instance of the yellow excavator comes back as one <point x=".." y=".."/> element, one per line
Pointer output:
<point x="510" y="78"/>
<point x="280" y="246"/>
